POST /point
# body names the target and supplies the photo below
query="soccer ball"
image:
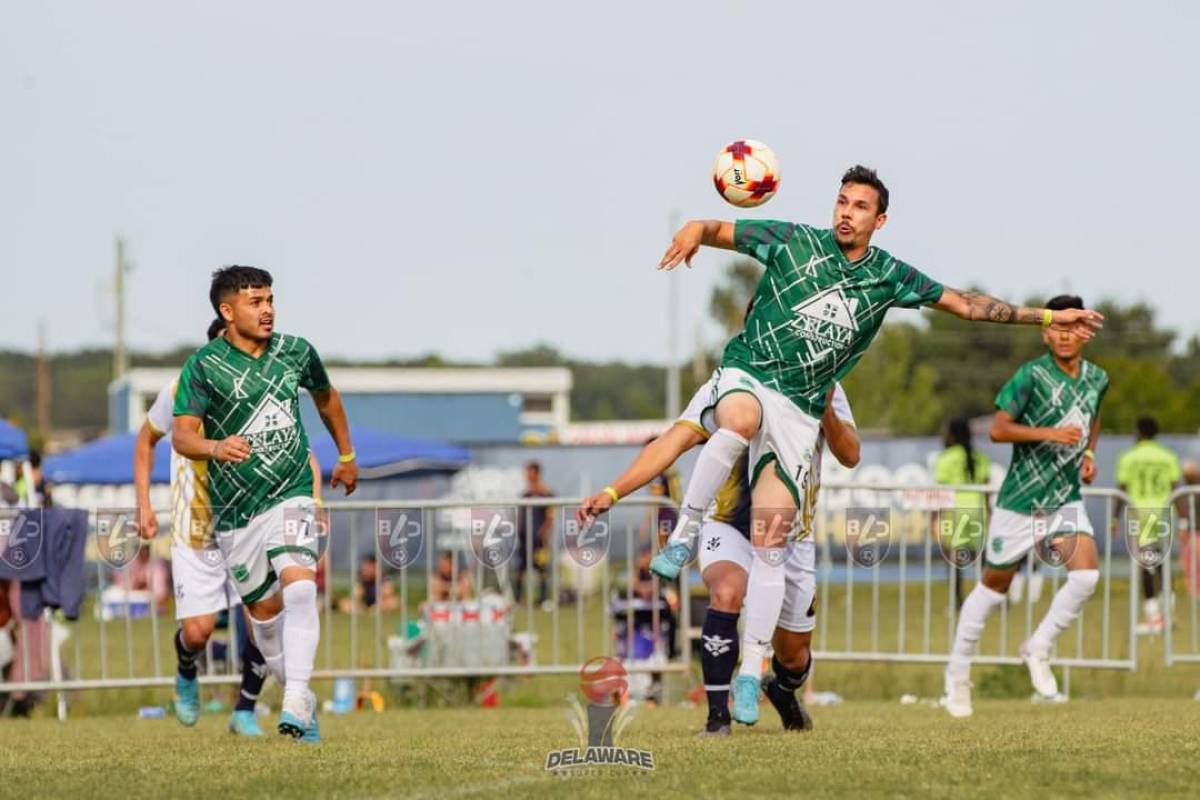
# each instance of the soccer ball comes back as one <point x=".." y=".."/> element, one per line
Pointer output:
<point x="746" y="173"/>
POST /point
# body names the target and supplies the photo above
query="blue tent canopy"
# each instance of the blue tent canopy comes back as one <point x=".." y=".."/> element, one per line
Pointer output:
<point x="110" y="460"/>
<point x="13" y="443"/>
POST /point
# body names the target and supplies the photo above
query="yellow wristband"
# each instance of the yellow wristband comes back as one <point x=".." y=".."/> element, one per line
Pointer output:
<point x="1089" y="454"/>
<point x="347" y="458"/>
<point x="1047" y="317"/>
<point x="318" y="502"/>
<point x="613" y="493"/>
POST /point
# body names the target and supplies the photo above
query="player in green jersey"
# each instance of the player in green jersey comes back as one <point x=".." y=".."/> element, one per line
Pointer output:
<point x="1050" y="412"/>
<point x="237" y="406"/>
<point x="819" y="304"/>
<point x="1148" y="472"/>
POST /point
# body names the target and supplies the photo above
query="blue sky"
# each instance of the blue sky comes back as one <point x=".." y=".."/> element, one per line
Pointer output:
<point x="471" y="177"/>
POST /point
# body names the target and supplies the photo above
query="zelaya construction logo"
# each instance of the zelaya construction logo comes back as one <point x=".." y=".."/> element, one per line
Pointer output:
<point x="599" y="725"/>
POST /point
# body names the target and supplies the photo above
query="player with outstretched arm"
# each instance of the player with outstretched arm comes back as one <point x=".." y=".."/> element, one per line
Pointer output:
<point x="818" y="306"/>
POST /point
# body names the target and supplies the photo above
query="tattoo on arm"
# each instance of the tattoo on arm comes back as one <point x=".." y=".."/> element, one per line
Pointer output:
<point x="984" y="307"/>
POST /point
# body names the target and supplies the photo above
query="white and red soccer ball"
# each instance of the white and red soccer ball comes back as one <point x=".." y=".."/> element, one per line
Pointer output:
<point x="746" y="173"/>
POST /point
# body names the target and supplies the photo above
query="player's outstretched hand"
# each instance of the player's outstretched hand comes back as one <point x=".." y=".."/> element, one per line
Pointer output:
<point x="685" y="245"/>
<point x="1083" y="322"/>
<point x="345" y="474"/>
<point x="234" y="449"/>
<point x="593" y="507"/>
<point x="147" y="522"/>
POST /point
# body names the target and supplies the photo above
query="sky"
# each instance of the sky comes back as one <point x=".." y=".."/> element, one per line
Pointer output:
<point x="467" y="178"/>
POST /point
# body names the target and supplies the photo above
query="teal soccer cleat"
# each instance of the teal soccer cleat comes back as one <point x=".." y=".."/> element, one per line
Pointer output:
<point x="244" y="723"/>
<point x="187" y="700"/>
<point x="745" y="699"/>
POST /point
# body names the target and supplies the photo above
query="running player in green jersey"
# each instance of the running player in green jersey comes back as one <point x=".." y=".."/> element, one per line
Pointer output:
<point x="1050" y="411"/>
<point x="237" y="406"/>
<point x="819" y="304"/>
<point x="1148" y="472"/>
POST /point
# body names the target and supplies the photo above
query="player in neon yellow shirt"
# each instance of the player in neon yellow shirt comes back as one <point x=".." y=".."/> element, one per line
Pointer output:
<point x="961" y="464"/>
<point x="1148" y="472"/>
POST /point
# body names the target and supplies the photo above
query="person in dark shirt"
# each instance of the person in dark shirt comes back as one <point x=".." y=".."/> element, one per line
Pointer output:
<point x="535" y="526"/>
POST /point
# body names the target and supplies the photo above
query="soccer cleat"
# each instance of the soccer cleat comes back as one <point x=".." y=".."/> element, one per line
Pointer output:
<point x="187" y="700"/>
<point x="297" y="715"/>
<point x="1040" y="673"/>
<point x="957" y="700"/>
<point x="1151" y="626"/>
<point x="667" y="563"/>
<point x="792" y="712"/>
<point x="716" y="726"/>
<point x="745" y="699"/>
<point x="244" y="723"/>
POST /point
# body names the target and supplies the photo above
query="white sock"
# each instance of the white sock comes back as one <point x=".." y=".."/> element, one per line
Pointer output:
<point x="716" y="460"/>
<point x="1151" y="607"/>
<point x="760" y="610"/>
<point x="980" y="603"/>
<point x="268" y="637"/>
<point x="302" y="634"/>
<point x="1064" y="608"/>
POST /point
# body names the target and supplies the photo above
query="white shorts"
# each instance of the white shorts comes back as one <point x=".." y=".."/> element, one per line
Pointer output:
<point x="281" y="537"/>
<point x="720" y="541"/>
<point x="785" y="433"/>
<point x="1011" y="535"/>
<point x="202" y="585"/>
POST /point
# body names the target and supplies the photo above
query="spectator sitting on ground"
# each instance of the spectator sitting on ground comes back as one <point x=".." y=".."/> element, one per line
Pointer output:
<point x="441" y="582"/>
<point x="364" y="596"/>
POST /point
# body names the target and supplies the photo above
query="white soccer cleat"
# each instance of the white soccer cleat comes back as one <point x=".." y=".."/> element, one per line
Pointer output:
<point x="1040" y="674"/>
<point x="957" y="700"/>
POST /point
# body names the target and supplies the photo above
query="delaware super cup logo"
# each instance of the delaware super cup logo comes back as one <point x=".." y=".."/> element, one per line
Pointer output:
<point x="603" y="683"/>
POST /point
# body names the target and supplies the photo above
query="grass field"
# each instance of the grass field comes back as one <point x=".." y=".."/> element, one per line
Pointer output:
<point x="1114" y="748"/>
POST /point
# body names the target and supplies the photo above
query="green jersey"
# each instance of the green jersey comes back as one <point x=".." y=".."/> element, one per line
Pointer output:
<point x="815" y="312"/>
<point x="1044" y="476"/>
<point x="258" y="399"/>
<point x="1148" y="472"/>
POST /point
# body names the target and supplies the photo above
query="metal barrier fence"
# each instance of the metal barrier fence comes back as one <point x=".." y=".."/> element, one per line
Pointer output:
<point x="483" y="623"/>
<point x="1181" y="621"/>
<point x="918" y="574"/>
<point x="898" y="607"/>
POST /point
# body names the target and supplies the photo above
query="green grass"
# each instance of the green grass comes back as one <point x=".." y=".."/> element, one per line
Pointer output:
<point x="1115" y="748"/>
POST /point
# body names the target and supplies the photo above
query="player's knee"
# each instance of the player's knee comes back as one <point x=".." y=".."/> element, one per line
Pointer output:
<point x="1084" y="581"/>
<point x="197" y="630"/>
<point x="300" y="593"/>
<point x="726" y="598"/>
<point x="739" y="414"/>
<point x="998" y="580"/>
<point x="794" y="659"/>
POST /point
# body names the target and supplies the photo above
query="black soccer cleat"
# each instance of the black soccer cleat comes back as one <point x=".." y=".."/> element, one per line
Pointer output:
<point x="716" y="726"/>
<point x="792" y="712"/>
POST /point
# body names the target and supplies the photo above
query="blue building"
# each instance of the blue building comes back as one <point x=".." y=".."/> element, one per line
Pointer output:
<point x="483" y="406"/>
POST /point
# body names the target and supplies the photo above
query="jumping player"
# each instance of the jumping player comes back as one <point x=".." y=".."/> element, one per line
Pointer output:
<point x="726" y="555"/>
<point x="237" y="407"/>
<point x="819" y="304"/>
<point x="1050" y="411"/>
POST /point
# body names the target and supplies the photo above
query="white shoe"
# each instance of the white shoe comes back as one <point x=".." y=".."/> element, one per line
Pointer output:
<point x="957" y="700"/>
<point x="1040" y="674"/>
<point x="1151" y="626"/>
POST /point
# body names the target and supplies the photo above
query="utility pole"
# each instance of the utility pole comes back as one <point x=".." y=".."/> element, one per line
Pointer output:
<point x="42" y="384"/>
<point x="673" y="331"/>
<point x="120" y="357"/>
